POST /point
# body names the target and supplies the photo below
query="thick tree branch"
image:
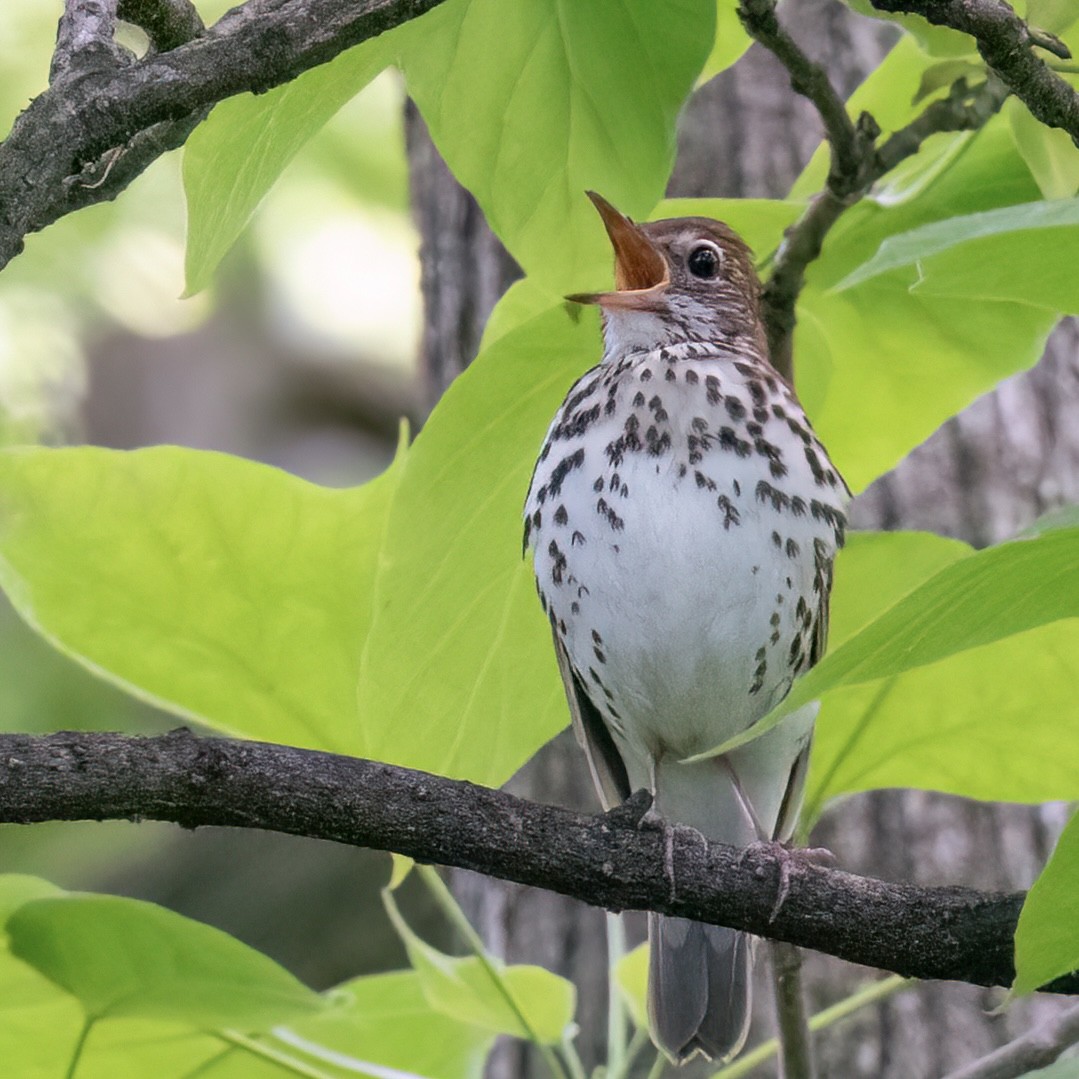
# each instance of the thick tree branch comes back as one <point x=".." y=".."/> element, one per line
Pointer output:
<point x="1007" y="45"/>
<point x="609" y="861"/>
<point x="98" y="126"/>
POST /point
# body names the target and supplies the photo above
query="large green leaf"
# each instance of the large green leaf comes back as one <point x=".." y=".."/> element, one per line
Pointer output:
<point x="532" y="103"/>
<point x="523" y="1001"/>
<point x="977" y="600"/>
<point x="731" y="40"/>
<point x="995" y="722"/>
<point x="1047" y="937"/>
<point x="223" y="590"/>
<point x="123" y="957"/>
<point x="233" y="159"/>
<point x="966" y="235"/>
<point x="458" y="667"/>
<point x="362" y="1028"/>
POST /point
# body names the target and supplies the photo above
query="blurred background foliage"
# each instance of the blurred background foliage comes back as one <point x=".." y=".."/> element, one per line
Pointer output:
<point x="301" y="354"/>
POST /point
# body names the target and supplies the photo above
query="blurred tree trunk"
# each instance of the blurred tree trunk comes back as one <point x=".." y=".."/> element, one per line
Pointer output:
<point x="980" y="478"/>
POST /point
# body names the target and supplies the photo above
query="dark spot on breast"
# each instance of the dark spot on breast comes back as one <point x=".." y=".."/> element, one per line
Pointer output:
<point x="692" y="377"/>
<point x="638" y="400"/>
<point x="563" y="468"/>
<point x="728" y="440"/>
<point x="735" y="409"/>
<point x="731" y="515"/>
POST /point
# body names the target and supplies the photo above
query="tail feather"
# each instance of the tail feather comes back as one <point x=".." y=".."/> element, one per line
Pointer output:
<point x="698" y="988"/>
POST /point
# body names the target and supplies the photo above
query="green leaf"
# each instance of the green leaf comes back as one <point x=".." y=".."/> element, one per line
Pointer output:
<point x="631" y="977"/>
<point x="1047" y="937"/>
<point x="19" y="888"/>
<point x="971" y="232"/>
<point x="473" y="992"/>
<point x="1056" y="16"/>
<point x="223" y="590"/>
<point x="531" y="104"/>
<point x="915" y="728"/>
<point x="964" y="725"/>
<point x="863" y="356"/>
<point x="233" y="159"/>
<point x="945" y="72"/>
<point x="123" y="957"/>
<point x="985" y="597"/>
<point x="731" y="40"/>
<point x="458" y="667"/>
<point x="1049" y="152"/>
<point x="876" y="569"/>
<point x="385" y="1020"/>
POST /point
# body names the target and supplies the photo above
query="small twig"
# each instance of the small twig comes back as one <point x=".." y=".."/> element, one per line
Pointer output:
<point x="168" y="23"/>
<point x="150" y="106"/>
<point x="1036" y="1048"/>
<point x="1007" y="45"/>
<point x="810" y="80"/>
<point x="796" y="1050"/>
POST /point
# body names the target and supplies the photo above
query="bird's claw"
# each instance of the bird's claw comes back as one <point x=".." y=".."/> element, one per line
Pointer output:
<point x="786" y="857"/>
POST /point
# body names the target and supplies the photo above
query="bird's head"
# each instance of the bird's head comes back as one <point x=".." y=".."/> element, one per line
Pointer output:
<point x="681" y="279"/>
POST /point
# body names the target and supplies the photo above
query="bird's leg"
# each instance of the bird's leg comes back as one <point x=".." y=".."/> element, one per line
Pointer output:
<point x="766" y="842"/>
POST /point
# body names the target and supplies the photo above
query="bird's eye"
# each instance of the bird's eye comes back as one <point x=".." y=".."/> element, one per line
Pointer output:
<point x="703" y="261"/>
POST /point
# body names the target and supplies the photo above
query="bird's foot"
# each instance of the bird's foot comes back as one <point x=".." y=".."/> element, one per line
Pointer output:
<point x="787" y="856"/>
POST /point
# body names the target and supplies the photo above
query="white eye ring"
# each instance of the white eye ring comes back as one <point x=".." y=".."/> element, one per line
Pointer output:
<point x="704" y="260"/>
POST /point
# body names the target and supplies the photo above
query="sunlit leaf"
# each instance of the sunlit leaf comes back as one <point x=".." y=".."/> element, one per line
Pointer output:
<point x="533" y="103"/>
<point x="1049" y="152"/>
<point x="123" y="957"/>
<point x="919" y="246"/>
<point x="1056" y="16"/>
<point x="373" y="1026"/>
<point x="220" y="589"/>
<point x="631" y="977"/>
<point x="731" y="40"/>
<point x="470" y="992"/>
<point x="233" y="159"/>
<point x="1047" y="937"/>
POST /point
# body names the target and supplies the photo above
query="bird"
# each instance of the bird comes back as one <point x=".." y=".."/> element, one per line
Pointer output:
<point x="683" y="519"/>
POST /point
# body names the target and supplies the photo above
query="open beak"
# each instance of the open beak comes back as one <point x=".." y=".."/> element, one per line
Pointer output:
<point x="640" y="271"/>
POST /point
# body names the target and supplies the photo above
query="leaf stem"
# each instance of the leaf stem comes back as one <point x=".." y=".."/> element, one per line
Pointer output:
<point x="796" y="1048"/>
<point x="276" y="1056"/>
<point x="450" y="907"/>
<point x="871" y="994"/>
<point x="80" y="1044"/>
<point x="616" y="1008"/>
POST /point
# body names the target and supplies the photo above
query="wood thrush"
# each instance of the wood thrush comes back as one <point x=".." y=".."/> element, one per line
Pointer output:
<point x="683" y="519"/>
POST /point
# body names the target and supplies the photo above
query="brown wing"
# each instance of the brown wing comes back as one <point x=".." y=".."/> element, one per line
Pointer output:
<point x="792" y="796"/>
<point x="604" y="760"/>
